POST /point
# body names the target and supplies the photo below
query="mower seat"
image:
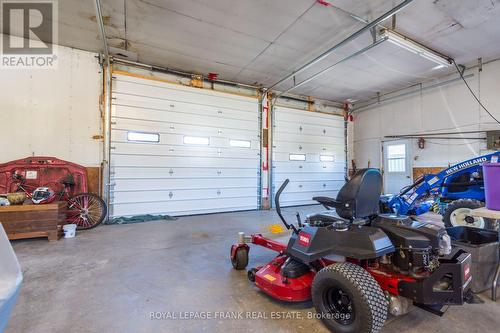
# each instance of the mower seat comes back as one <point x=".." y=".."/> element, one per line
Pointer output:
<point x="358" y="198"/>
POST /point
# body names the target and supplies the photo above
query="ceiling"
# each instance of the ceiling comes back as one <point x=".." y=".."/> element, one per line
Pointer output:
<point x="261" y="41"/>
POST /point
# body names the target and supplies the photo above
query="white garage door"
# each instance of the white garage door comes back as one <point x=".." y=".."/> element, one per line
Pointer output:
<point x="308" y="148"/>
<point x="179" y="150"/>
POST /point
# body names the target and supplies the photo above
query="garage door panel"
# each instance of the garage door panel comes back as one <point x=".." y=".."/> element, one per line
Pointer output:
<point x="177" y="208"/>
<point x="176" y="195"/>
<point x="165" y="116"/>
<point x="322" y="148"/>
<point x="180" y="93"/>
<point x="183" y="129"/>
<point x="181" y="183"/>
<point x="177" y="139"/>
<point x="181" y="151"/>
<point x="184" y="172"/>
<point x="287" y="166"/>
<point x="310" y="158"/>
<point x="207" y="158"/>
<point x="295" y="124"/>
<point x="307" y="129"/>
<point x="310" y="176"/>
<point x="170" y="141"/>
<point x="315" y="138"/>
<point x="143" y="102"/>
<point x="302" y="138"/>
<point x="162" y="91"/>
<point x="166" y="161"/>
<point x="289" y="116"/>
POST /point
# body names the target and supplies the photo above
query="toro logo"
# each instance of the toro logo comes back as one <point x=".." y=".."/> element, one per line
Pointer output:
<point x="304" y="239"/>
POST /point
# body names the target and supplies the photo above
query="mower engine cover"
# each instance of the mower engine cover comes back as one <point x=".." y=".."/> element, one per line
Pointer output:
<point x="43" y="195"/>
<point x="357" y="242"/>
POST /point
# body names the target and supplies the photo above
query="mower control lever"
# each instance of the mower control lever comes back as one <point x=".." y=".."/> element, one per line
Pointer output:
<point x="299" y="222"/>
<point x="278" y="207"/>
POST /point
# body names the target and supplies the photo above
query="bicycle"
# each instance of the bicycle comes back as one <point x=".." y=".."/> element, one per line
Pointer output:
<point x="86" y="210"/>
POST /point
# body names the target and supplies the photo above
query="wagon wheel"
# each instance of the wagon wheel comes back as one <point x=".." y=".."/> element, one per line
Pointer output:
<point x="86" y="210"/>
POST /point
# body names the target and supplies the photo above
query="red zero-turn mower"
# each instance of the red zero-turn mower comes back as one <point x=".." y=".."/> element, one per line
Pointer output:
<point x="358" y="265"/>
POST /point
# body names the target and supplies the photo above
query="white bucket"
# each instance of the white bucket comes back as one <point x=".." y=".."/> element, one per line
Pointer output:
<point x="69" y="230"/>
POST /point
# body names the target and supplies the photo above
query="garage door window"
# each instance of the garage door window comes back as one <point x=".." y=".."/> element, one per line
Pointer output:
<point x="396" y="158"/>
<point x="196" y="140"/>
<point x="326" y="158"/>
<point x="239" y="143"/>
<point x="297" y="157"/>
<point x="143" y="137"/>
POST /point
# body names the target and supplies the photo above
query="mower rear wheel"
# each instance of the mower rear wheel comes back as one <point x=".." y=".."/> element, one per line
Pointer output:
<point x="240" y="259"/>
<point x="458" y="213"/>
<point x="348" y="299"/>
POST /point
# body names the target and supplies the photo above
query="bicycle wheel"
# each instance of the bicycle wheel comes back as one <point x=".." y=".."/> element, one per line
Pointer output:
<point x="86" y="210"/>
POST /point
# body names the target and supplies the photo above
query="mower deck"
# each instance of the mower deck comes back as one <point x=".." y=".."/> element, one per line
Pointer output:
<point x="269" y="279"/>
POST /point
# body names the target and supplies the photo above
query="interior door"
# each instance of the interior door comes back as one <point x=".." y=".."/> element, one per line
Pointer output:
<point x="397" y="165"/>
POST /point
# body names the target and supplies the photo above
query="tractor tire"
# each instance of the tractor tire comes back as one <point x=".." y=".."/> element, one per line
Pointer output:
<point x="240" y="260"/>
<point x="348" y="299"/>
<point x="457" y="214"/>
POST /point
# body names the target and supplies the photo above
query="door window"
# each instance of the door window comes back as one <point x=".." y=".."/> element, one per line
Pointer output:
<point x="396" y="158"/>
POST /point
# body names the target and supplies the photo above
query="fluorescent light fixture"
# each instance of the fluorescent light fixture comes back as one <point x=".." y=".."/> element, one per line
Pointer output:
<point x="196" y="140"/>
<point x="143" y="137"/>
<point x="239" y="143"/>
<point x="297" y="157"/>
<point x="414" y="47"/>
<point x="326" y="158"/>
<point x="437" y="67"/>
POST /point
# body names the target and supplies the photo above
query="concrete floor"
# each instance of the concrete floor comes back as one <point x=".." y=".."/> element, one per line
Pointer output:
<point x="111" y="278"/>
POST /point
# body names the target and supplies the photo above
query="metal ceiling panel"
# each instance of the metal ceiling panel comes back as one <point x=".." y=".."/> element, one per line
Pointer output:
<point x="170" y="58"/>
<point x="278" y="58"/>
<point x="366" y="9"/>
<point x="259" y="19"/>
<point x="260" y="41"/>
<point x="471" y="13"/>
<point x="187" y="36"/>
<point x="115" y="21"/>
<point x="429" y="22"/>
<point x="317" y="30"/>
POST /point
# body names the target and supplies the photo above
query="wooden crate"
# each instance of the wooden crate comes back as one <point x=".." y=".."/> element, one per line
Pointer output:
<point x="28" y="220"/>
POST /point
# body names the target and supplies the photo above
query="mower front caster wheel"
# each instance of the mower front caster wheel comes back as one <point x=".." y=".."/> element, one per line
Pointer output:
<point x="348" y="299"/>
<point x="240" y="258"/>
<point x="251" y="274"/>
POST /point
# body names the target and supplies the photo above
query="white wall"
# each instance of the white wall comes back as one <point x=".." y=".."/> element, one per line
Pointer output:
<point x="52" y="112"/>
<point x="444" y="109"/>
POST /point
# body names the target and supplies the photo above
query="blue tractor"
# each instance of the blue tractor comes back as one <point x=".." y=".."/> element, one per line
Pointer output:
<point x="460" y="188"/>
